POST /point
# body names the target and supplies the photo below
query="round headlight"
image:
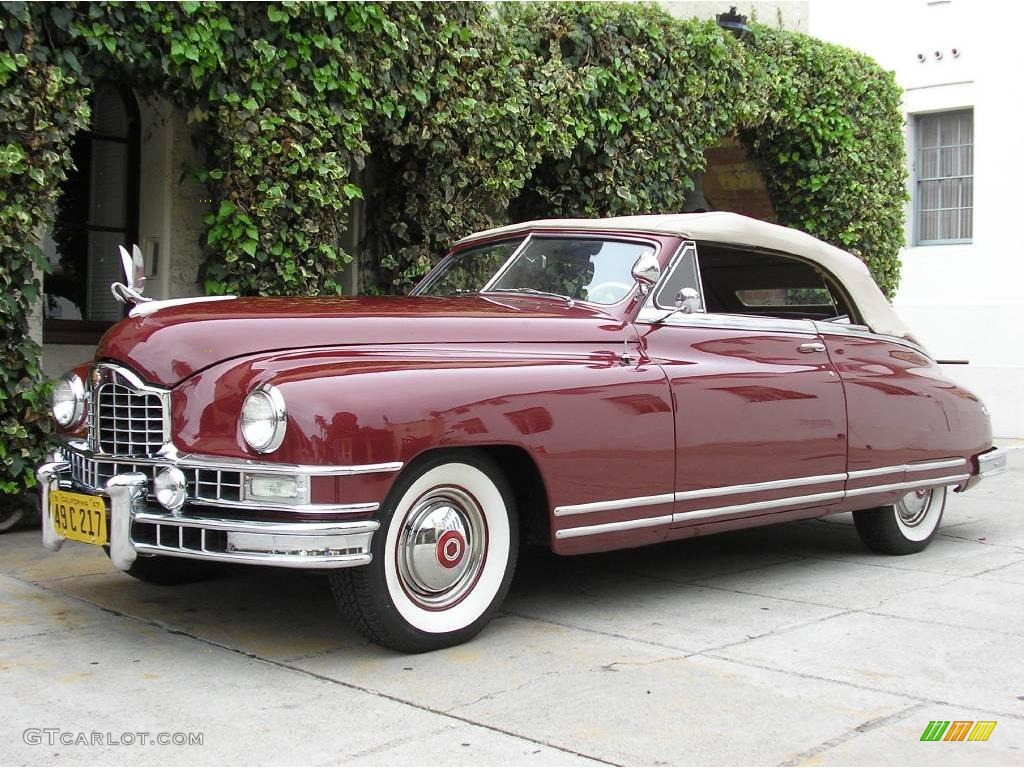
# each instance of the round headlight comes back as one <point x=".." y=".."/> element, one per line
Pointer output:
<point x="68" y="401"/>
<point x="264" y="419"/>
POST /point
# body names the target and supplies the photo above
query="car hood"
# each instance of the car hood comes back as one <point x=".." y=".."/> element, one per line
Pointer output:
<point x="169" y="344"/>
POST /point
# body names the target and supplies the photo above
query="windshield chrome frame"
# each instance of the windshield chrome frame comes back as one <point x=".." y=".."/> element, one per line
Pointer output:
<point x="628" y="238"/>
<point x="443" y="263"/>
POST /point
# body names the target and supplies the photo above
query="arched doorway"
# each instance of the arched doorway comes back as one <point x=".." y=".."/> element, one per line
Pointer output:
<point x="733" y="182"/>
<point x="98" y="211"/>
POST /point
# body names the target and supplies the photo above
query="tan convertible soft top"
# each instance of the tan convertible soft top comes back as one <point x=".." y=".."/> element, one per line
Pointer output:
<point x="732" y="228"/>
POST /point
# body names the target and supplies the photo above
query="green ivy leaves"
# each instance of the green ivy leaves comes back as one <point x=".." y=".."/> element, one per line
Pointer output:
<point x="443" y="118"/>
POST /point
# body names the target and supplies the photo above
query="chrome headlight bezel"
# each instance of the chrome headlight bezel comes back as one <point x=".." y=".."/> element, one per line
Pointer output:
<point x="263" y="419"/>
<point x="71" y="385"/>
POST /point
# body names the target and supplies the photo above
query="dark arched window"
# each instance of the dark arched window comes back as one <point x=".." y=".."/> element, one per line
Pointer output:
<point x="98" y="210"/>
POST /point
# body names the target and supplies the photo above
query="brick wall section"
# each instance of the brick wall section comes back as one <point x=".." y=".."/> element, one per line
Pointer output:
<point x="733" y="182"/>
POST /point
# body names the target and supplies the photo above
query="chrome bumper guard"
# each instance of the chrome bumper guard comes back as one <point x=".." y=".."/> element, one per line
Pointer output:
<point x="990" y="464"/>
<point x="135" y="529"/>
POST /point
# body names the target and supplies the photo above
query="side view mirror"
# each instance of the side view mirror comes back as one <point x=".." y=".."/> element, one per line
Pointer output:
<point x="646" y="272"/>
<point x="130" y="292"/>
<point x="687" y="301"/>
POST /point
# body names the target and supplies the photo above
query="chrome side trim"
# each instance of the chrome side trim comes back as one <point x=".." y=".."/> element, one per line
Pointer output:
<point x="302" y="509"/>
<point x="928" y="466"/>
<point x="757" y="323"/>
<point x="625" y="525"/>
<point x="876" y="472"/>
<point x="865" y="332"/>
<point x="771" y="485"/>
<point x="908" y="485"/>
<point x="793" y="501"/>
<point x="734" y="509"/>
<point x="608" y="506"/>
<point x="925" y="466"/>
<point x="200" y="461"/>
<point x="294" y="529"/>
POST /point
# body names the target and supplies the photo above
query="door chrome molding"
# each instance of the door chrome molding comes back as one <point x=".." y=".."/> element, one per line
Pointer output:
<point x="921" y="466"/>
<point x="718" y="321"/>
<point x="908" y="485"/>
<point x="771" y="485"/>
<point x="864" y="332"/>
<point x="625" y="525"/>
<point x="768" y="504"/>
<point x="793" y="501"/>
<point x="613" y="504"/>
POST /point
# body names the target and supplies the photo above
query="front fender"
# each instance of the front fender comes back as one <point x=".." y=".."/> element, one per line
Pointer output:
<point x="597" y="429"/>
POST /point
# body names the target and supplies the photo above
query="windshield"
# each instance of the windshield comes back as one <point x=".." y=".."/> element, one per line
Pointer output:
<point x="584" y="269"/>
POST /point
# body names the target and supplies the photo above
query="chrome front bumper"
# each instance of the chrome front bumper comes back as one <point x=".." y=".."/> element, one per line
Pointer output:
<point x="137" y="528"/>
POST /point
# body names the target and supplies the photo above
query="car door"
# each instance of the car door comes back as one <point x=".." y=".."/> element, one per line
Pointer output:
<point x="759" y="409"/>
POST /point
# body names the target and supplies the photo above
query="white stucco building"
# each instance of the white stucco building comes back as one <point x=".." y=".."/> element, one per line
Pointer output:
<point x="962" y="289"/>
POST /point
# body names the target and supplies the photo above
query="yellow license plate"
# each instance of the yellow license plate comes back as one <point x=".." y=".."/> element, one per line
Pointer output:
<point x="79" y="517"/>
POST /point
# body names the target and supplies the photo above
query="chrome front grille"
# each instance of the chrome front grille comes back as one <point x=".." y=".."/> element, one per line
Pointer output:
<point x="128" y="422"/>
<point x="204" y="485"/>
<point x="93" y="474"/>
<point x="213" y="484"/>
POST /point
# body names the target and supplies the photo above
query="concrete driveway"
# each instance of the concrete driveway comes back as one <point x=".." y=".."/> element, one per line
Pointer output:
<point x="783" y="645"/>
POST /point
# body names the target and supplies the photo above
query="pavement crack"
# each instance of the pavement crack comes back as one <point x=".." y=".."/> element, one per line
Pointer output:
<point x="775" y="631"/>
<point x="325" y="678"/>
<point x="590" y="630"/>
<point x="492" y="694"/>
<point x="865" y="727"/>
<point x="859" y="686"/>
<point x="974" y="540"/>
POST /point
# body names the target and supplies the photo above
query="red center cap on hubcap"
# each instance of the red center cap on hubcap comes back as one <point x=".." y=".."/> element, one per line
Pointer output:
<point x="451" y="548"/>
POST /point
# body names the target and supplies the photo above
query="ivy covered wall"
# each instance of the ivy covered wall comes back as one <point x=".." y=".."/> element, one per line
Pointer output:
<point x="445" y="118"/>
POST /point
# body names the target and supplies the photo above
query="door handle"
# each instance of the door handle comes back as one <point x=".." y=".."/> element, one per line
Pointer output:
<point x="813" y="346"/>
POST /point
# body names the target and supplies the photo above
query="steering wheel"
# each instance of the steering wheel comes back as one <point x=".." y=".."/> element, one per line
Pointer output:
<point x="608" y="293"/>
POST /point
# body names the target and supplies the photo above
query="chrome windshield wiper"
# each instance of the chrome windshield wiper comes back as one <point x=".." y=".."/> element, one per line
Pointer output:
<point x="535" y="292"/>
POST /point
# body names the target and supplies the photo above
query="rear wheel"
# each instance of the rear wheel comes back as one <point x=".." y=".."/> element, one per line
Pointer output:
<point x="903" y="528"/>
<point x="443" y="558"/>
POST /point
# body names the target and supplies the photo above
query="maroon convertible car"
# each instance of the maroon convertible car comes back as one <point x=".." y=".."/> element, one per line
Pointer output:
<point x="590" y="385"/>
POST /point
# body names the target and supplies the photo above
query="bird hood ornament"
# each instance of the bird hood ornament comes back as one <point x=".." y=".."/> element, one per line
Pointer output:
<point x="130" y="292"/>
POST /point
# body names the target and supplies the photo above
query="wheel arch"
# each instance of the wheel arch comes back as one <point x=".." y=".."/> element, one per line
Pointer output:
<point x="524" y="476"/>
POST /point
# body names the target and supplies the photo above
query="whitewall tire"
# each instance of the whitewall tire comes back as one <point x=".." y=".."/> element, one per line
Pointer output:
<point x="443" y="558"/>
<point x="903" y="528"/>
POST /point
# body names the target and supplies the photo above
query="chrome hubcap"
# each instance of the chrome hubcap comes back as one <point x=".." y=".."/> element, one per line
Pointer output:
<point x="913" y="507"/>
<point x="441" y="548"/>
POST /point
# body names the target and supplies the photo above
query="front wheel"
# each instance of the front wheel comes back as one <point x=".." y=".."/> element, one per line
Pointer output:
<point x="443" y="558"/>
<point x="905" y="527"/>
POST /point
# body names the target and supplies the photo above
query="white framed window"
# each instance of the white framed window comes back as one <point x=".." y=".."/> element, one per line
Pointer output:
<point x="944" y="178"/>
